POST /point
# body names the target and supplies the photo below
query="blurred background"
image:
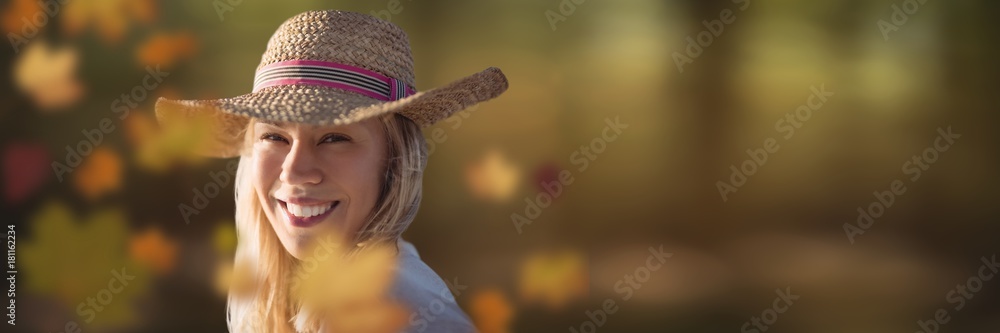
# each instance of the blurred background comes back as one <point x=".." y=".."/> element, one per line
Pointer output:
<point x="650" y="107"/>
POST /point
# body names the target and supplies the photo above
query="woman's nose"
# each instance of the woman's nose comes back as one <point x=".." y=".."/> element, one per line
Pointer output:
<point x="301" y="166"/>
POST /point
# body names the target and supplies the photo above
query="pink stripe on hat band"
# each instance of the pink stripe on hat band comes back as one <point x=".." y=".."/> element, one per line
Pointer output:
<point x="332" y="75"/>
<point x="323" y="64"/>
<point x="313" y="82"/>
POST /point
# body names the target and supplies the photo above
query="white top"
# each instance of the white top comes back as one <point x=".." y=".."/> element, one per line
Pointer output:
<point x="433" y="308"/>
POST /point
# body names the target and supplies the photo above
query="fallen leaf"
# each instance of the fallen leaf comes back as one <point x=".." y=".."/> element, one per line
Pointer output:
<point x="349" y="292"/>
<point x="491" y="311"/>
<point x="158" y="148"/>
<point x="493" y="177"/>
<point x="224" y="238"/>
<point x="153" y="249"/>
<point x="99" y="174"/>
<point x="547" y="179"/>
<point x="16" y="13"/>
<point x="112" y="18"/>
<point x="165" y="49"/>
<point x="554" y="279"/>
<point x="48" y="75"/>
<point x="234" y="280"/>
<point x="73" y="262"/>
<point x="140" y="128"/>
<point x="25" y="170"/>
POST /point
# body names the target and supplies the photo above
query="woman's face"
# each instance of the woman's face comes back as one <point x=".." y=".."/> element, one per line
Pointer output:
<point x="318" y="181"/>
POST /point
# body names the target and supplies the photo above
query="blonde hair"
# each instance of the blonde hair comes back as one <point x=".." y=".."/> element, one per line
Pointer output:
<point x="269" y="307"/>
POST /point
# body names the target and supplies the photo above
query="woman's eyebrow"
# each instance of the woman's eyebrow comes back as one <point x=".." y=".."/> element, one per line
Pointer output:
<point x="279" y="124"/>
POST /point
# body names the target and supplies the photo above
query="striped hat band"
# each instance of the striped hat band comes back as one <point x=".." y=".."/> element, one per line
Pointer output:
<point x="330" y="74"/>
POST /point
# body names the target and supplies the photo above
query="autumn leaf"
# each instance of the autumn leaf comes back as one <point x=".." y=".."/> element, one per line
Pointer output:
<point x="73" y="261"/>
<point x="370" y="316"/>
<point x="25" y="169"/>
<point x="17" y="12"/>
<point x="224" y="238"/>
<point x="546" y="178"/>
<point x="157" y="148"/>
<point x="153" y="249"/>
<point x="165" y="49"/>
<point x="491" y="311"/>
<point x="48" y="75"/>
<point x="112" y="18"/>
<point x="336" y="279"/>
<point x="140" y="128"/>
<point x="350" y="291"/>
<point x="99" y="174"/>
<point x="492" y="177"/>
<point x="554" y="279"/>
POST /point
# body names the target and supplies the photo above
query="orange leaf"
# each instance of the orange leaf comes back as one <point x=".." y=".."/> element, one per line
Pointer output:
<point x="100" y="173"/>
<point x="16" y="13"/>
<point x="491" y="311"/>
<point x="154" y="250"/>
<point x="166" y="49"/>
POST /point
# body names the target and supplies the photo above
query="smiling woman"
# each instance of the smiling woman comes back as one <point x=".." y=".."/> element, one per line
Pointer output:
<point x="331" y="160"/>
<point x="308" y="174"/>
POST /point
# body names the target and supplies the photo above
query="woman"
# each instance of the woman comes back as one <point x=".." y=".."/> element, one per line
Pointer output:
<point x="331" y="157"/>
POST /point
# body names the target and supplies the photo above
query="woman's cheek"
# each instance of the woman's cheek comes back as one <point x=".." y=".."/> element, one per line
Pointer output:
<point x="267" y="168"/>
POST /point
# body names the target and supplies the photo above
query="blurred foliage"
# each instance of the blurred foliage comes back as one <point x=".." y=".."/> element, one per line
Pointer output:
<point x="572" y="69"/>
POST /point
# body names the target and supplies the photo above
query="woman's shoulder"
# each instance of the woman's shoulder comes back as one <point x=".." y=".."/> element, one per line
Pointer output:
<point x="432" y="306"/>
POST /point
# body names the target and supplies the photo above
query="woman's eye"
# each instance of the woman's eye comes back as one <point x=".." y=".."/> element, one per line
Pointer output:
<point x="331" y="138"/>
<point x="273" y="137"/>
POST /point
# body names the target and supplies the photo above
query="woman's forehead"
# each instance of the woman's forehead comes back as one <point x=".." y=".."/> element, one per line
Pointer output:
<point x="362" y="125"/>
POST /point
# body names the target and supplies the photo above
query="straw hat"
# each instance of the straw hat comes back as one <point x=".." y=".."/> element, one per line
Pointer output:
<point x="332" y="67"/>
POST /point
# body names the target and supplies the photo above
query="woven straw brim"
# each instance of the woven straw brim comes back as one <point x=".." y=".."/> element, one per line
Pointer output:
<point x="320" y="105"/>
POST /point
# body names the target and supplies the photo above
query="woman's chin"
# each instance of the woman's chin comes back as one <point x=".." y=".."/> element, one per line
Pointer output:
<point x="315" y="244"/>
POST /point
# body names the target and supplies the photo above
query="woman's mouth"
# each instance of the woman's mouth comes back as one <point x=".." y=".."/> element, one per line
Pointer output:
<point x="304" y="216"/>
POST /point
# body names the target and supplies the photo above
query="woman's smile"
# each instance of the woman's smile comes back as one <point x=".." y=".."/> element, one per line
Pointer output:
<point x="304" y="212"/>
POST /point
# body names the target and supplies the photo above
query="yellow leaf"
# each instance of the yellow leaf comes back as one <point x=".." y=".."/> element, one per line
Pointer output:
<point x="350" y="291"/>
<point x="224" y="238"/>
<point x="111" y="17"/>
<point x="157" y="148"/>
<point x="73" y="261"/>
<point x="493" y="177"/>
<point x="554" y="279"/>
<point x="48" y="75"/>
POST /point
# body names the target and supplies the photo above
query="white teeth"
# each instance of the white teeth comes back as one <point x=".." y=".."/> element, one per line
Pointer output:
<point x="307" y="211"/>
